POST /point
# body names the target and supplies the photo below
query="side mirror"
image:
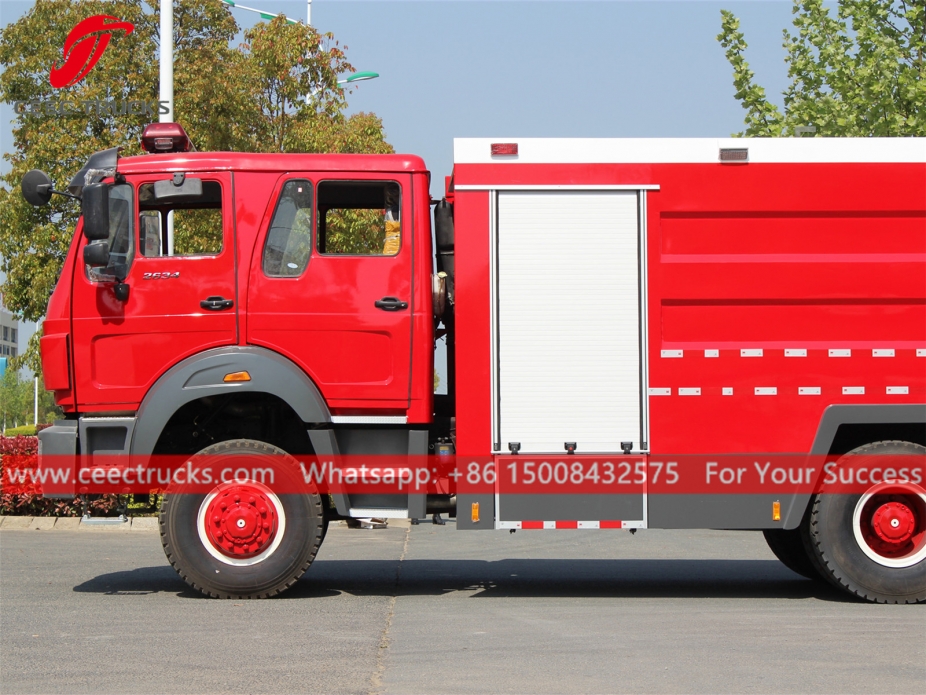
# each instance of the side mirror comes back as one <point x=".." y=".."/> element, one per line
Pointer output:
<point x="95" y="209"/>
<point x="96" y="254"/>
<point x="36" y="188"/>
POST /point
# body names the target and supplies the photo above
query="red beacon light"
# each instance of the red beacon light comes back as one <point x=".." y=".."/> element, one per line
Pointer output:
<point x="165" y="137"/>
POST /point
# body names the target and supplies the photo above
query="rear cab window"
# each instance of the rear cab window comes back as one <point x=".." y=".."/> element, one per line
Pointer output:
<point x="359" y="218"/>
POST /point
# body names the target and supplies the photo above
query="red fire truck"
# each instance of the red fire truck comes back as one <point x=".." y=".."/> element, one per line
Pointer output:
<point x="641" y="333"/>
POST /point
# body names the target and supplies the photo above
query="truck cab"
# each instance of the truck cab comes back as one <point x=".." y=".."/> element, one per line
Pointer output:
<point x="227" y="295"/>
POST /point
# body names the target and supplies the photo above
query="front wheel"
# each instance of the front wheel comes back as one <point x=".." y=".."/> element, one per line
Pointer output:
<point x="245" y="538"/>
<point x="874" y="544"/>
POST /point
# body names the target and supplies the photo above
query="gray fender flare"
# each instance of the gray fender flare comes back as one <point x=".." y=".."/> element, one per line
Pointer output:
<point x="833" y="417"/>
<point x="202" y="375"/>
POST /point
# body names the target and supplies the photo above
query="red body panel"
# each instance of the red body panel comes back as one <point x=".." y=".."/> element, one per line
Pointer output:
<point x="757" y="256"/>
<point x="58" y="322"/>
<point x="56" y="359"/>
<point x="473" y="337"/>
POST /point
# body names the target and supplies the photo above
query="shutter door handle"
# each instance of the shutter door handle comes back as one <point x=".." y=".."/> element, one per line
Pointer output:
<point x="390" y="304"/>
<point x="217" y="303"/>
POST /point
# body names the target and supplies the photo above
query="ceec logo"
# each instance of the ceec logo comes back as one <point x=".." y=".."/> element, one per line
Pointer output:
<point x="84" y="47"/>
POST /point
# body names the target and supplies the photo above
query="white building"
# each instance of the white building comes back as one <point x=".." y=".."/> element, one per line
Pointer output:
<point x="9" y="332"/>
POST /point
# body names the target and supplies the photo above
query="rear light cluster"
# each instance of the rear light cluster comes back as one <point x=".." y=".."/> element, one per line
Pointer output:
<point x="165" y="137"/>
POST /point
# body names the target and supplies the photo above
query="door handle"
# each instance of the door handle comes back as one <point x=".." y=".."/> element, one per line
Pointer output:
<point x="390" y="304"/>
<point x="217" y="303"/>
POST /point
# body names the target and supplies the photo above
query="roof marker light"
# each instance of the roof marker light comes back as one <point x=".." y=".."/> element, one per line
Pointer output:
<point x="505" y="148"/>
<point x="739" y="155"/>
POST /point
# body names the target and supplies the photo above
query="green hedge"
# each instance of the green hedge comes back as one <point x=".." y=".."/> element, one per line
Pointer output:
<point x="24" y="430"/>
<point x="20" y="453"/>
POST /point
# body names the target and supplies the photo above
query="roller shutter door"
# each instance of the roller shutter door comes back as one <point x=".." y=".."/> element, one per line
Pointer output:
<point x="568" y="320"/>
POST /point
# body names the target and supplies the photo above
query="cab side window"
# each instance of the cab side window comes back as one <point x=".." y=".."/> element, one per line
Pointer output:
<point x="197" y="223"/>
<point x="289" y="239"/>
<point x="359" y="218"/>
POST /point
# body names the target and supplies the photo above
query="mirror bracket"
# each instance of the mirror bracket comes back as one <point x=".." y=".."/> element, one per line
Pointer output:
<point x="67" y="195"/>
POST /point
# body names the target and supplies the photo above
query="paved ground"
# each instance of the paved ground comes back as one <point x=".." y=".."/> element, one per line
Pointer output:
<point x="430" y="610"/>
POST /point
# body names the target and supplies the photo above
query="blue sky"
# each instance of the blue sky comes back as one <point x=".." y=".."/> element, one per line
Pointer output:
<point x="485" y="68"/>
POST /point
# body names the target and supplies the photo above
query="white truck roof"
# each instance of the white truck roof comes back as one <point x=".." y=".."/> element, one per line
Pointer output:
<point x="690" y="150"/>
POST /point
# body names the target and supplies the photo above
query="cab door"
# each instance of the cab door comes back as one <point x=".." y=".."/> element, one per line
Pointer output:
<point x="331" y="287"/>
<point x="178" y="257"/>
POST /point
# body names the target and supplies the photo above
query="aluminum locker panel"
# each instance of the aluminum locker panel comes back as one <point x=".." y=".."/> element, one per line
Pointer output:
<point x="568" y="315"/>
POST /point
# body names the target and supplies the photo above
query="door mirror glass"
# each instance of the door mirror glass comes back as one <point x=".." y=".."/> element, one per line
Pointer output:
<point x="119" y="241"/>
<point x="36" y="188"/>
<point x="95" y="209"/>
<point x="96" y="254"/>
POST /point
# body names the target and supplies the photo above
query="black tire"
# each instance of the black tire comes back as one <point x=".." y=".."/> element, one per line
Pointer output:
<point x="299" y="542"/>
<point x="788" y="546"/>
<point x="828" y="535"/>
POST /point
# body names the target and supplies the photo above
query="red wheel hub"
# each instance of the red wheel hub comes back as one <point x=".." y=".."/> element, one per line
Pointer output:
<point x="241" y="521"/>
<point x="894" y="522"/>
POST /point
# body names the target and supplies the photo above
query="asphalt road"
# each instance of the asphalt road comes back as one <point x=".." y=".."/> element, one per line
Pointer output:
<point x="431" y="610"/>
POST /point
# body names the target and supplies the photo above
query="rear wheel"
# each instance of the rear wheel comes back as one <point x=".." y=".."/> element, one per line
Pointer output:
<point x="245" y="538"/>
<point x="874" y="544"/>
<point x="788" y="547"/>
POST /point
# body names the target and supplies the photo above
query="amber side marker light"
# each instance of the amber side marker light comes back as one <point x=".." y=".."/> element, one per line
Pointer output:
<point x="236" y="376"/>
<point x="475" y="512"/>
<point x="776" y="511"/>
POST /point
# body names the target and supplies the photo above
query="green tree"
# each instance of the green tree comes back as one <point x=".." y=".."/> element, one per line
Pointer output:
<point x="16" y="396"/>
<point x="48" y="411"/>
<point x="247" y="98"/>
<point x="861" y="72"/>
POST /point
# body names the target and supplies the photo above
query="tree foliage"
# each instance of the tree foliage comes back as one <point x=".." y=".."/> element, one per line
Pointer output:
<point x="249" y="98"/>
<point x="860" y="72"/>
<point x="17" y="401"/>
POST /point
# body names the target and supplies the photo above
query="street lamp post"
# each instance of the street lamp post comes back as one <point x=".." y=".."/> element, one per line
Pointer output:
<point x="266" y="15"/>
<point x="356" y="77"/>
<point x="166" y="62"/>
